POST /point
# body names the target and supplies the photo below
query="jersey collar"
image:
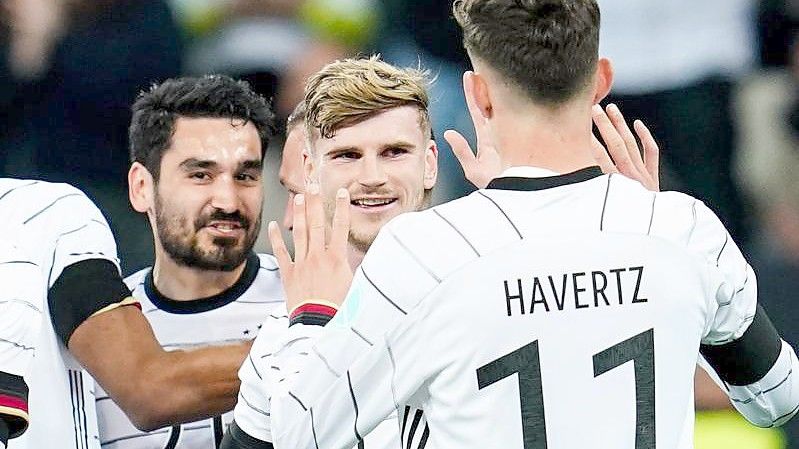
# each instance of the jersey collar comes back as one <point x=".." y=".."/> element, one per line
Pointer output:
<point x="205" y="304"/>
<point x="533" y="178"/>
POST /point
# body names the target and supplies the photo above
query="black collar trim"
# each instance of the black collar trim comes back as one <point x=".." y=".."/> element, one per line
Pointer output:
<point x="204" y="304"/>
<point x="531" y="184"/>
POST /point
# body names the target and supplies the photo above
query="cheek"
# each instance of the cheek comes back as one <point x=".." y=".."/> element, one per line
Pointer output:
<point x="254" y="200"/>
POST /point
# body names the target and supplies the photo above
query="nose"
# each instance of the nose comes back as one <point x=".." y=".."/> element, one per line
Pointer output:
<point x="288" y="213"/>
<point x="225" y="196"/>
<point x="372" y="173"/>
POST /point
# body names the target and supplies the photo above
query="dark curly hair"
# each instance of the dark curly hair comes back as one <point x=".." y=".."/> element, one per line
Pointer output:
<point x="213" y="96"/>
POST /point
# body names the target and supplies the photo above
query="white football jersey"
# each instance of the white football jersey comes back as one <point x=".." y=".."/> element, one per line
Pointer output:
<point x="22" y="297"/>
<point x="231" y="316"/>
<point x="556" y="312"/>
<point x="57" y="226"/>
<point x="252" y="409"/>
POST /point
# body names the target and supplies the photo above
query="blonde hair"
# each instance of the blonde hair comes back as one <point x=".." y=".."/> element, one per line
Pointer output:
<point x="347" y="92"/>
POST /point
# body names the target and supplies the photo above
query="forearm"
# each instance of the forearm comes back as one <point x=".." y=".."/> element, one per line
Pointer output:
<point x="156" y="388"/>
<point x="708" y="395"/>
<point x="184" y="386"/>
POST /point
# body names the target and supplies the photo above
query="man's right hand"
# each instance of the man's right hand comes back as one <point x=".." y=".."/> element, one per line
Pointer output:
<point x="320" y="272"/>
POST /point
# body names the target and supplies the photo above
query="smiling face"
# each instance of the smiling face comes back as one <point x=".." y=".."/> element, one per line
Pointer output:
<point x="208" y="199"/>
<point x="386" y="162"/>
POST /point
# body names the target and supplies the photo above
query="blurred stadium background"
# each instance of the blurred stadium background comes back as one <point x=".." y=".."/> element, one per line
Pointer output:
<point x="716" y="80"/>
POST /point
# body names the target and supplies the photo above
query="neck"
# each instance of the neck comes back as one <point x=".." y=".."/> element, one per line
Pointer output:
<point x="182" y="283"/>
<point x="554" y="139"/>
<point x="354" y="257"/>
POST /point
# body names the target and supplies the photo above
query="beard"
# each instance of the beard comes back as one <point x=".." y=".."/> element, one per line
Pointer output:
<point x="180" y="241"/>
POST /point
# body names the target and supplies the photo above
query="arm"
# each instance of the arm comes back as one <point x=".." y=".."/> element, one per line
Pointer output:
<point x="90" y="309"/>
<point x="740" y="343"/>
<point x="757" y="369"/>
<point x="156" y="388"/>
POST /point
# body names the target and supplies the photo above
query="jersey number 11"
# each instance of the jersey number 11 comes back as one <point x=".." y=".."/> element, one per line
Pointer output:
<point x="526" y="363"/>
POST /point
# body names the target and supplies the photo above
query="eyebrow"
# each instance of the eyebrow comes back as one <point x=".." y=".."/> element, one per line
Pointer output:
<point x="395" y="144"/>
<point x="398" y="144"/>
<point x="251" y="164"/>
<point x="194" y="163"/>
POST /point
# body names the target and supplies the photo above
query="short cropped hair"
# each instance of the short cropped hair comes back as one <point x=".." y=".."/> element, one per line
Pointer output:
<point x="350" y="91"/>
<point x="546" y="48"/>
<point x="297" y="117"/>
<point x="156" y="110"/>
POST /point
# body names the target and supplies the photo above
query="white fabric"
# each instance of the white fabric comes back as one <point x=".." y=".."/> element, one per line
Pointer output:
<point x="236" y="320"/>
<point x="57" y="226"/>
<point x="609" y="273"/>
<point x="22" y="297"/>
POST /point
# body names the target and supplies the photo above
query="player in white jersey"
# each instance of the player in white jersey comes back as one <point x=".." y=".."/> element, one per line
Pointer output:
<point x="347" y="89"/>
<point x="21" y="302"/>
<point x="337" y="81"/>
<point x="233" y="314"/>
<point x="548" y="310"/>
<point x="203" y="194"/>
<point x="89" y="324"/>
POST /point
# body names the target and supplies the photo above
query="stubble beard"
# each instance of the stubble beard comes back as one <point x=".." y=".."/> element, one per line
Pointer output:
<point x="180" y="241"/>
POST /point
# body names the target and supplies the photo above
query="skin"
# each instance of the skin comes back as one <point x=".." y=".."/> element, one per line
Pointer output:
<point x="212" y="167"/>
<point x="291" y="170"/>
<point x="208" y="200"/>
<point x="393" y="167"/>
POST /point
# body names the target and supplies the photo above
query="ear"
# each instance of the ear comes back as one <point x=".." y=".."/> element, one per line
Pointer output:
<point x="603" y="79"/>
<point x="476" y="89"/>
<point x="309" y="167"/>
<point x="430" y="165"/>
<point x="141" y="188"/>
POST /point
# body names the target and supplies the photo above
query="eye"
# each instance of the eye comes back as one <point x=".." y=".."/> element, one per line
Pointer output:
<point x="247" y="177"/>
<point x="347" y="155"/>
<point x="200" y="176"/>
<point x="396" y="151"/>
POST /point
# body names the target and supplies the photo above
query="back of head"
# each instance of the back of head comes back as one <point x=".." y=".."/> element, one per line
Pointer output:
<point x="347" y="92"/>
<point x="214" y="96"/>
<point x="547" y="49"/>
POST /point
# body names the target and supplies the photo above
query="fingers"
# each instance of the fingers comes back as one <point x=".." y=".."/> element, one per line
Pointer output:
<point x="463" y="152"/>
<point x="627" y="136"/>
<point x="339" y="236"/>
<point x="279" y="247"/>
<point x="615" y="144"/>
<point x="601" y="156"/>
<point x="300" y="231"/>
<point x="315" y="214"/>
<point x="651" y="153"/>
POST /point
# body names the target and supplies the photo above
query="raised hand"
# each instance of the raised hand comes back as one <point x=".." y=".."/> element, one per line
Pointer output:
<point x="486" y="165"/>
<point x="623" y="154"/>
<point x="320" y="272"/>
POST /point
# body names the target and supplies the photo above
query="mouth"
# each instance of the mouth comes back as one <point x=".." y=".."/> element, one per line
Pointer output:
<point x="373" y="204"/>
<point x="225" y="228"/>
